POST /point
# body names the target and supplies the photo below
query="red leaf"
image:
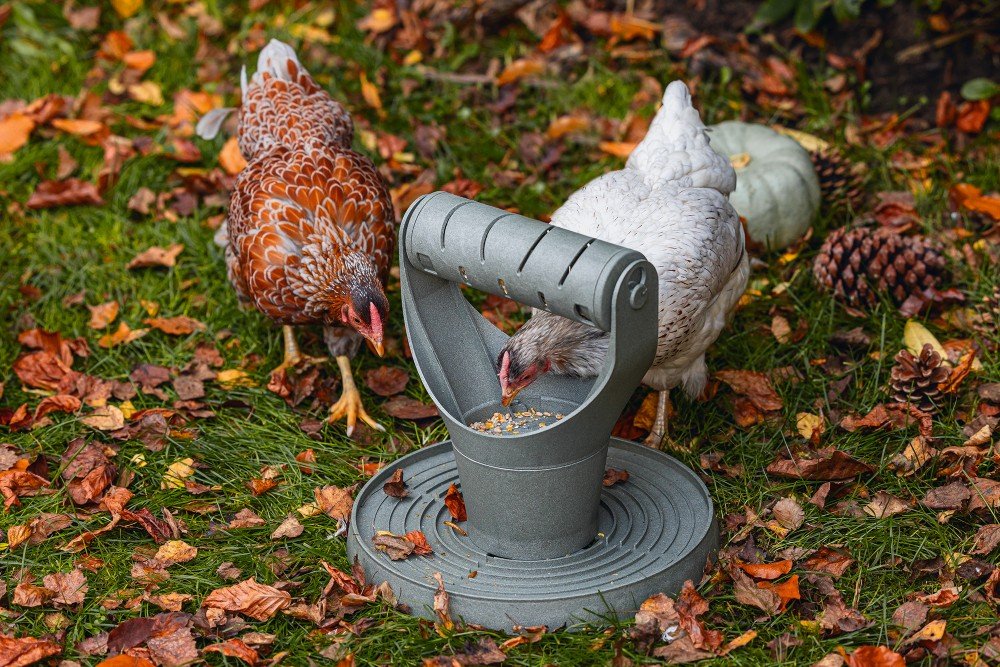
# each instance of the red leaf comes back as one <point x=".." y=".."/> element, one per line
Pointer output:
<point x="455" y="503"/>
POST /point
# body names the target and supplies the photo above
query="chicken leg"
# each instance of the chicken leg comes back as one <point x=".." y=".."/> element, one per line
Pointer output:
<point x="349" y="406"/>
<point x="292" y="355"/>
<point x="658" y="435"/>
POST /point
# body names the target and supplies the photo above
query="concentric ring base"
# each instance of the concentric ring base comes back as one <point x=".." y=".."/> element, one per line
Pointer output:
<point x="656" y="530"/>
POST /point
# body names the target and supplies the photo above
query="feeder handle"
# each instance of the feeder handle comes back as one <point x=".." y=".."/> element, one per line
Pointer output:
<point x="534" y="263"/>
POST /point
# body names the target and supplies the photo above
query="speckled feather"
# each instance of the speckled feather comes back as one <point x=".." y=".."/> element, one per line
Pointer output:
<point x="670" y="202"/>
<point x="309" y="218"/>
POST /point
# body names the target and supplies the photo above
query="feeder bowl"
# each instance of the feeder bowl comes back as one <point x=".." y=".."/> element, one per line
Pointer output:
<point x="545" y="542"/>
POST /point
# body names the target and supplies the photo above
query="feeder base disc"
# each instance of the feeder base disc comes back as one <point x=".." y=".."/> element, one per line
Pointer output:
<point x="656" y="530"/>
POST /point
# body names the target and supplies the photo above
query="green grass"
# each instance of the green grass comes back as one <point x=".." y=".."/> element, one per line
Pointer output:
<point x="65" y="250"/>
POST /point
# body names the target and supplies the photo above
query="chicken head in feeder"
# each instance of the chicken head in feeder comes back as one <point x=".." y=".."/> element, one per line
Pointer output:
<point x="545" y="542"/>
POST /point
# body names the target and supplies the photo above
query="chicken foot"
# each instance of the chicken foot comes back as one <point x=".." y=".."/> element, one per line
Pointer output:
<point x="659" y="436"/>
<point x="292" y="355"/>
<point x="349" y="406"/>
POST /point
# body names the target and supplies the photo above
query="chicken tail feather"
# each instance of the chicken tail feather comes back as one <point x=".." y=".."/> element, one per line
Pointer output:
<point x="676" y="148"/>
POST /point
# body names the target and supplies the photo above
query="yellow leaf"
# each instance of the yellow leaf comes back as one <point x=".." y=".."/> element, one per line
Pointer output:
<point x="932" y="632"/>
<point x="519" y="69"/>
<point x="127" y="408"/>
<point x="379" y="21"/>
<point x="807" y="141"/>
<point x="620" y="149"/>
<point x="234" y="377"/>
<point x="78" y="126"/>
<point x="916" y="335"/>
<point x="370" y="92"/>
<point x="126" y="8"/>
<point x="809" y="424"/>
<point x="177" y="473"/>
<point x="230" y="157"/>
<point x="566" y="125"/>
<point x="146" y="92"/>
<point x="14" y="132"/>
<point x="176" y="551"/>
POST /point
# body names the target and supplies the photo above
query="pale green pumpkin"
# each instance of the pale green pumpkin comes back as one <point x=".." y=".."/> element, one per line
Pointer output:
<point x="777" y="190"/>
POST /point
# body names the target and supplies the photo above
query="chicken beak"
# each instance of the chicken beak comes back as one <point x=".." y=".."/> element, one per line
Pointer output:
<point x="377" y="347"/>
<point x="508" y="395"/>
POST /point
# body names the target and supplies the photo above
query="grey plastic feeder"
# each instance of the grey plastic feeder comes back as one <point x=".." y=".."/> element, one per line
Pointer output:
<point x="547" y="544"/>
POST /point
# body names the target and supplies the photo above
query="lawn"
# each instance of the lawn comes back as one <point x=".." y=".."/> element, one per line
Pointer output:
<point x="430" y="115"/>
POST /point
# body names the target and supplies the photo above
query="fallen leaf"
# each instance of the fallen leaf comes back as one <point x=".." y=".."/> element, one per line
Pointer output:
<point x="396" y="487"/>
<point x="442" y="605"/>
<point x="621" y="149"/>
<point x="789" y="513"/>
<point x="102" y="315"/>
<point x="122" y="336"/>
<point x="746" y="592"/>
<point x="176" y="473"/>
<point x="246" y="518"/>
<point x="875" y="656"/>
<point x="156" y="257"/>
<point x="126" y="8"/>
<point x="421" y="546"/>
<point x="396" y="546"/>
<point x="828" y="560"/>
<point x="987" y="539"/>
<point x="69" y="588"/>
<point x="945" y="597"/>
<point x="230" y="158"/>
<point x="258" y="601"/>
<point x="68" y="192"/>
<point x="387" y="380"/>
<point x="910" y="615"/>
<point x="234" y="648"/>
<point x="613" y="476"/>
<point x="173" y="649"/>
<point x="15" y="130"/>
<point x="932" y="632"/>
<point x="175" y="551"/>
<point x="146" y="92"/>
<point x="175" y="326"/>
<point x="754" y="386"/>
<point x="169" y="601"/>
<point x="916" y="335"/>
<point x="335" y="501"/>
<point x="23" y="651"/>
<point x="766" y="570"/>
<point x="455" y="503"/>
<point x="57" y="403"/>
<point x="125" y="660"/>
<point x="404" y="407"/>
<point x="290" y="527"/>
<point x="949" y="497"/>
<point x="787" y="590"/>
<point x="520" y="69"/>
<point x="234" y="377"/>
<point x="829" y="464"/>
<point x="105" y="418"/>
<point x="885" y="504"/>
<point x="810" y="426"/>
<point x="17" y="483"/>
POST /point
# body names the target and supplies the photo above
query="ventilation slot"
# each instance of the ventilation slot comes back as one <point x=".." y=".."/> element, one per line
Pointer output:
<point x="541" y="298"/>
<point x="532" y="249"/>
<point x="583" y="313"/>
<point x="573" y="261"/>
<point x="447" y="219"/>
<point x="503" y="286"/>
<point x="465" y="275"/>
<point x="486" y="234"/>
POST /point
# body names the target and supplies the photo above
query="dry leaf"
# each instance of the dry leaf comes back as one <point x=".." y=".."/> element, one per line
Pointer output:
<point x="103" y="314"/>
<point x="369" y="92"/>
<point x="105" y="418"/>
<point x="875" y="656"/>
<point x="23" y="651"/>
<point x="67" y="588"/>
<point x="122" y="336"/>
<point x="387" y="380"/>
<point x="334" y="501"/>
<point x="613" y="476"/>
<point x="235" y="648"/>
<point x="455" y="503"/>
<point x="126" y="8"/>
<point x="156" y="257"/>
<point x="829" y="464"/>
<point x="146" y="92"/>
<point x="234" y="377"/>
<point x="810" y="426"/>
<point x="180" y="325"/>
<point x="396" y="487"/>
<point x="885" y="504"/>
<point x="175" y="551"/>
<point x="15" y="130"/>
<point x="290" y="527"/>
<point x="766" y="570"/>
<point x="258" y="601"/>
<point x="519" y="69"/>
<point x="68" y="192"/>
<point x="396" y="546"/>
<point x="916" y="335"/>
<point x="177" y="472"/>
<point x="230" y="158"/>
<point x="442" y="603"/>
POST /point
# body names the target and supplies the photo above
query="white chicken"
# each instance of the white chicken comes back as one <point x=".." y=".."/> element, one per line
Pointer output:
<point x="670" y="203"/>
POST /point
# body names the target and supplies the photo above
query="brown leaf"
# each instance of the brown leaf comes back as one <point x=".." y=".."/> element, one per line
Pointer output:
<point x="746" y="592"/>
<point x="246" y="518"/>
<point x="234" y="648"/>
<point x="396" y="487"/>
<point x="396" y="546"/>
<point x="18" y="483"/>
<point x="57" y="403"/>
<point x="42" y="370"/>
<point x="972" y="116"/>
<point x="27" y="594"/>
<point x="290" y="527"/>
<point x="958" y="373"/>
<point x="169" y="601"/>
<point x="754" y="386"/>
<point x="875" y="656"/>
<point x="67" y="588"/>
<point x="70" y="192"/>
<point x="105" y="418"/>
<point x="230" y="158"/>
<point x="173" y="649"/>
<point x="181" y="325"/>
<point x="334" y="501"/>
<point x="613" y="476"/>
<point x="949" y="497"/>
<point x="258" y="601"/>
<point x="829" y="561"/>
<point x="483" y="651"/>
<point x="829" y="464"/>
<point x="102" y="315"/>
<point x="156" y="257"/>
<point x="519" y="69"/>
<point x="789" y="513"/>
<point x="838" y="618"/>
<point x="885" y="504"/>
<point x="23" y="651"/>
<point x="766" y="570"/>
<point x="944" y="597"/>
<point x="455" y="503"/>
<point x="442" y="603"/>
<point x="404" y="407"/>
<point x="421" y="546"/>
<point x="985" y="494"/>
<point x="175" y="551"/>
<point x="387" y="380"/>
<point x="910" y="615"/>
<point x="787" y="590"/>
<point x="891" y="415"/>
<point x="987" y="539"/>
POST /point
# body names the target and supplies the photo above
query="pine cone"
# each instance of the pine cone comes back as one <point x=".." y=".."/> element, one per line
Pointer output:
<point x="841" y="181"/>
<point x="915" y="380"/>
<point x="856" y="264"/>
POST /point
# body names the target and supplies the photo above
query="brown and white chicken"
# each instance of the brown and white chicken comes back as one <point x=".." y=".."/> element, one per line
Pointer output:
<point x="670" y="203"/>
<point x="310" y="233"/>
